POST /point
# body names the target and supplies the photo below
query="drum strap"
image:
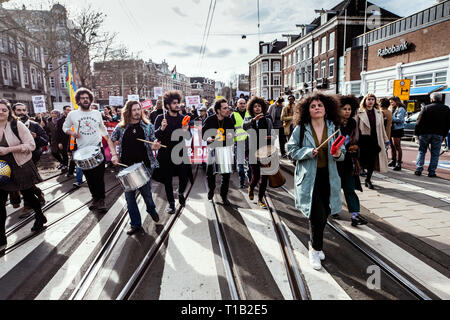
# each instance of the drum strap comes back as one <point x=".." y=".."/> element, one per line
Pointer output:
<point x="14" y="129"/>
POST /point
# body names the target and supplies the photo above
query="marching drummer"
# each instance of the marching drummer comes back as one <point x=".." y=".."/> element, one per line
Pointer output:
<point x="131" y="127"/>
<point x="218" y="129"/>
<point x="261" y="122"/>
<point x="89" y="132"/>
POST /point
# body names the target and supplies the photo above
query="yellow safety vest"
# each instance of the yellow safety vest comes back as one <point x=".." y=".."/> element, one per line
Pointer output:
<point x="239" y="130"/>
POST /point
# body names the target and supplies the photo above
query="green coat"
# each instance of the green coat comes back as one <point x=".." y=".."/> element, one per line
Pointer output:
<point x="305" y="171"/>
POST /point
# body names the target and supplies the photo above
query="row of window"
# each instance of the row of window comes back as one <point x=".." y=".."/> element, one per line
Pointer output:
<point x="276" y="66"/>
<point x="10" y="73"/>
<point x="8" y="45"/>
<point x="275" y="80"/>
<point x="304" y="74"/>
<point x="423" y="17"/>
<point x="428" y="79"/>
<point x="276" y="92"/>
<point x="305" y="52"/>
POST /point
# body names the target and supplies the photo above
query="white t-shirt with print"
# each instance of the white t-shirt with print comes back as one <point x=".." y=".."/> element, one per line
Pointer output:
<point x="91" y="129"/>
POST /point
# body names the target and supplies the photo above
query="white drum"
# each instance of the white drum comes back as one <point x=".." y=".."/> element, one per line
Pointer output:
<point x="88" y="157"/>
<point x="134" y="177"/>
<point x="224" y="160"/>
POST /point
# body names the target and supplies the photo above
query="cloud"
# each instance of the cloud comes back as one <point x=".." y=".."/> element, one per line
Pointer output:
<point x="181" y="54"/>
<point x="243" y="50"/>
<point x="178" y="11"/>
<point x="196" y="1"/>
<point x="165" y="43"/>
<point x="220" y="54"/>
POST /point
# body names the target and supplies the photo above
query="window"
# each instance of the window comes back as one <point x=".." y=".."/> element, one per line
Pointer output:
<point x="331" y="42"/>
<point x="264" y="50"/>
<point x="331" y="68"/>
<point x="356" y="89"/>
<point x="323" y="47"/>
<point x="33" y="78"/>
<point x="323" y="66"/>
<point x="3" y="44"/>
<point x="52" y="82"/>
<point x="288" y="84"/>
<point x="284" y="62"/>
<point x="25" y="76"/>
<point x="316" y="48"/>
<point x="304" y="55"/>
<point x="50" y="66"/>
<point x="426" y="16"/>
<point x="265" y="66"/>
<point x="285" y="80"/>
<point x="439" y="13"/>
<point x="62" y="80"/>
<point x="424" y="79"/>
<point x="440" y="77"/>
<point x="276" y="80"/>
<point x="308" y="49"/>
<point x="276" y="93"/>
<point x="30" y="52"/>
<point x="316" y="71"/>
<point x="37" y="55"/>
<point x="265" y="80"/>
<point x="308" y="74"/>
<point x="265" y="93"/>
<point x="15" y="72"/>
<point x="5" y="71"/>
<point x="302" y="75"/>
<point x="289" y="60"/>
<point x="12" y="45"/>
<point x="276" y="66"/>
<point x="432" y="14"/>
<point x="39" y="77"/>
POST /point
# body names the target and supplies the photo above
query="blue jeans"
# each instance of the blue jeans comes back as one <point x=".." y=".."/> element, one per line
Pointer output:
<point x="424" y="140"/>
<point x="448" y="139"/>
<point x="79" y="175"/>
<point x="133" y="210"/>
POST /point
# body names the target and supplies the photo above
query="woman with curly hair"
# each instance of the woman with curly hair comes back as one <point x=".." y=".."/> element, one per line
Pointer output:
<point x="398" y="126"/>
<point x="372" y="137"/>
<point x="259" y="121"/>
<point x="349" y="169"/>
<point x="317" y="182"/>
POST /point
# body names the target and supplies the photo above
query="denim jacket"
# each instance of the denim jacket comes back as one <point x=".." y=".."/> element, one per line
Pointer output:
<point x="398" y="118"/>
<point x="149" y="132"/>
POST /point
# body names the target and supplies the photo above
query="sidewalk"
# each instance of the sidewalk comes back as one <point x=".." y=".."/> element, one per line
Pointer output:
<point x="419" y="206"/>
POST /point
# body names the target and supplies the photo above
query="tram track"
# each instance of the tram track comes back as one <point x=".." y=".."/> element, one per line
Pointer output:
<point x="32" y="235"/>
<point x="377" y="258"/>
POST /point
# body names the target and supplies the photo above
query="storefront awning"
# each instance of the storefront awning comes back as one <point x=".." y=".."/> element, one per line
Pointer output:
<point x="424" y="90"/>
<point x="445" y="90"/>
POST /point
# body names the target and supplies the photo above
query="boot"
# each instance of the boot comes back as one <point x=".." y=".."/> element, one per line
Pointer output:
<point x="392" y="163"/>
<point x="398" y="167"/>
<point x="39" y="224"/>
<point x="369" y="184"/>
<point x="171" y="208"/>
<point x="101" y="207"/>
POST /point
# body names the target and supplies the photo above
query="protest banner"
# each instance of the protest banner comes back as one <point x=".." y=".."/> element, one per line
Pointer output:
<point x="39" y="104"/>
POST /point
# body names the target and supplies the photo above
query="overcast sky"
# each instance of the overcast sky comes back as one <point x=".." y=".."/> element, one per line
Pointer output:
<point x="173" y="29"/>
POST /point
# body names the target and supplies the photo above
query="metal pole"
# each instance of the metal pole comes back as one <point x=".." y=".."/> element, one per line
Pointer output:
<point x="364" y="38"/>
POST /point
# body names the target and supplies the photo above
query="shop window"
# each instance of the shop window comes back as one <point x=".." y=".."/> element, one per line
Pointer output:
<point x="439" y="11"/>
<point x="424" y="79"/>
<point x="440" y="77"/>
<point x="356" y="89"/>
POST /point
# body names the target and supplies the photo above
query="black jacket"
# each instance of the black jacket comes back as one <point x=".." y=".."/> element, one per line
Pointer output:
<point x="433" y="119"/>
<point x="41" y="139"/>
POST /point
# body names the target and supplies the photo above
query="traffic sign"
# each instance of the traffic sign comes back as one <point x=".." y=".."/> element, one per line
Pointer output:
<point x="402" y="88"/>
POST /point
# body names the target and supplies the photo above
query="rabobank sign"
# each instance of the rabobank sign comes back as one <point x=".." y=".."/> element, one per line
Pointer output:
<point x="394" y="49"/>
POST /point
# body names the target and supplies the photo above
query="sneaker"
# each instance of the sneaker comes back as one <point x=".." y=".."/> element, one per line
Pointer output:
<point x="262" y="204"/>
<point x="251" y="195"/>
<point x="39" y="224"/>
<point x="314" y="258"/>
<point x="321" y="255"/>
<point x="432" y="175"/>
<point x="171" y="209"/>
<point x="242" y="185"/>
<point x="64" y="169"/>
<point x="77" y="184"/>
<point x="418" y="173"/>
<point x="134" y="230"/>
<point x="154" y="215"/>
<point x="358" y="220"/>
<point x="101" y="206"/>
<point x="363" y="173"/>
<point x="181" y="200"/>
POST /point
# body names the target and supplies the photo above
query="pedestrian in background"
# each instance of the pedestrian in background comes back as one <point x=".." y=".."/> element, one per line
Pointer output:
<point x="275" y="112"/>
<point x="317" y="182"/>
<point x="349" y="169"/>
<point x="432" y="126"/>
<point x="387" y="115"/>
<point x="398" y="126"/>
<point x="287" y="115"/>
<point x="372" y="138"/>
<point x="106" y="114"/>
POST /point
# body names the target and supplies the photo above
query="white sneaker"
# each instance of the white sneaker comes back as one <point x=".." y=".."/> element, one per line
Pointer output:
<point x="314" y="259"/>
<point x="321" y="255"/>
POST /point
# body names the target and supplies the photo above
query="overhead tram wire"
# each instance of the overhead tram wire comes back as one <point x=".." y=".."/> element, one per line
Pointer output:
<point x="204" y="33"/>
<point x="209" y="29"/>
<point x="134" y="21"/>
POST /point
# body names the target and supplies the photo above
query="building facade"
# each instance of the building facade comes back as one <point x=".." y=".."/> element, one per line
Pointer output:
<point x="265" y="71"/>
<point x="408" y="48"/>
<point x="203" y="87"/>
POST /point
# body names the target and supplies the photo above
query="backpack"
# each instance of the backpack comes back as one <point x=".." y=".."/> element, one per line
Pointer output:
<point x="15" y="129"/>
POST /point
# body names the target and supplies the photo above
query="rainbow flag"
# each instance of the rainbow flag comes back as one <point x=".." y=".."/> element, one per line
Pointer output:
<point x="71" y="87"/>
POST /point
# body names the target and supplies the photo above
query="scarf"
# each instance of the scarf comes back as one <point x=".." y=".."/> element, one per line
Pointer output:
<point x="58" y="116"/>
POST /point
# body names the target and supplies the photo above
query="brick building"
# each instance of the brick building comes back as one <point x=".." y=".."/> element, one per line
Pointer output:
<point x="265" y="70"/>
<point x="413" y="47"/>
<point x="204" y="87"/>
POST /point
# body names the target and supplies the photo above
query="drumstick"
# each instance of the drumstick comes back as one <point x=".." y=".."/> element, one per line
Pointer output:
<point x="79" y="123"/>
<point x="327" y="140"/>
<point x="150" y="142"/>
<point x="123" y="165"/>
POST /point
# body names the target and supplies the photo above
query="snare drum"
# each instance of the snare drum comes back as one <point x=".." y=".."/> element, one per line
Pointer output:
<point x="133" y="177"/>
<point x="88" y="157"/>
<point x="268" y="157"/>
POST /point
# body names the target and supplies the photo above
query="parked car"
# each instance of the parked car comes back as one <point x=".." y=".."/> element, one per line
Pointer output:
<point x="410" y="124"/>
